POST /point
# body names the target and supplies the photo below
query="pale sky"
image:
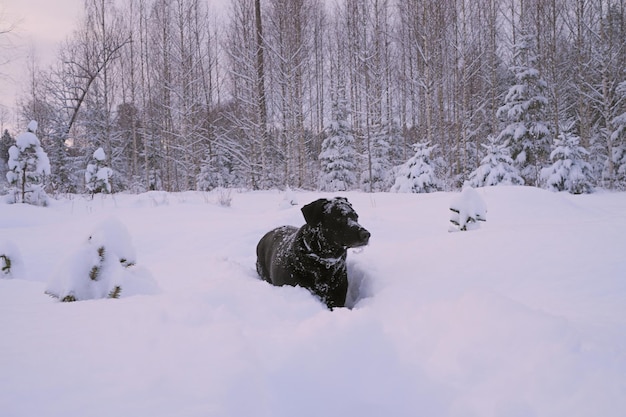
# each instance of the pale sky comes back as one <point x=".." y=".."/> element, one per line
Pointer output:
<point x="41" y="26"/>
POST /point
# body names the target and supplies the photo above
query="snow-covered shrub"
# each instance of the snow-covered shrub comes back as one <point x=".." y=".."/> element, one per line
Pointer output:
<point x="417" y="175"/>
<point x="97" y="175"/>
<point x="102" y="267"/>
<point x="11" y="265"/>
<point x="569" y="171"/>
<point x="224" y="197"/>
<point x="28" y="166"/>
<point x="467" y="209"/>
<point x="289" y="199"/>
<point x="496" y="168"/>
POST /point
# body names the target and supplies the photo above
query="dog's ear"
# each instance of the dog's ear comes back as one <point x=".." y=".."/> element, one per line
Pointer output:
<point x="313" y="211"/>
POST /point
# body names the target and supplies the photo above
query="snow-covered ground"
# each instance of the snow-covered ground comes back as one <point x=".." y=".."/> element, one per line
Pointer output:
<point x="524" y="317"/>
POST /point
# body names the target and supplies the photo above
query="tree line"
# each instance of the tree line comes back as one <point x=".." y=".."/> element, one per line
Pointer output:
<point x="275" y="93"/>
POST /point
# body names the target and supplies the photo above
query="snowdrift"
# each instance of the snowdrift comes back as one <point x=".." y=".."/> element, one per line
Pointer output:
<point x="525" y="316"/>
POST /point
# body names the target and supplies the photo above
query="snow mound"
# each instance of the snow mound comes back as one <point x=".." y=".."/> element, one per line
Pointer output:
<point x="103" y="267"/>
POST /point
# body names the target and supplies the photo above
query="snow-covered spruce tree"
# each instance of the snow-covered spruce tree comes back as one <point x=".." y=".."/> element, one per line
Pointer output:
<point x="215" y="171"/>
<point x="102" y="267"/>
<point x="338" y="155"/>
<point x="569" y="170"/>
<point x="523" y="113"/>
<point x="619" y="162"/>
<point x="209" y="177"/>
<point x="6" y="141"/>
<point x="97" y="174"/>
<point x="65" y="164"/>
<point x="618" y="138"/>
<point x="496" y="168"/>
<point x="417" y="175"/>
<point x="28" y="165"/>
<point x="376" y="176"/>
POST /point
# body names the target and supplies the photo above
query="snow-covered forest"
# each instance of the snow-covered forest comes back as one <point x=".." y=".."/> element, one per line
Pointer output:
<point x="333" y="95"/>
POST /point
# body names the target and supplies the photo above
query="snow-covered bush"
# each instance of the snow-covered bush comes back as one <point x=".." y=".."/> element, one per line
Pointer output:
<point x="224" y="197"/>
<point x="28" y="166"/>
<point x="102" y="267"/>
<point x="467" y="209"/>
<point x="417" y="175"/>
<point x="11" y="265"/>
<point x="496" y="168"/>
<point x="98" y="175"/>
<point x="569" y="171"/>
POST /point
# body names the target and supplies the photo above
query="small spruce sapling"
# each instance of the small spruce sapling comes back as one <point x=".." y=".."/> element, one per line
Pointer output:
<point x="417" y="175"/>
<point x="216" y="170"/>
<point x="569" y="170"/>
<point x="6" y="141"/>
<point x="101" y="268"/>
<point x="98" y="175"/>
<point x="5" y="264"/>
<point x="289" y="199"/>
<point x="28" y="166"/>
<point x="10" y="261"/>
<point x="497" y="167"/>
<point x="467" y="209"/>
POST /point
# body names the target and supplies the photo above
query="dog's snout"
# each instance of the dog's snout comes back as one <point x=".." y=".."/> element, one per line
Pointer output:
<point x="364" y="235"/>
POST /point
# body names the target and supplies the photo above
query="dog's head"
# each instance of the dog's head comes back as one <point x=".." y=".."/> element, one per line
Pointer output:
<point x="337" y="221"/>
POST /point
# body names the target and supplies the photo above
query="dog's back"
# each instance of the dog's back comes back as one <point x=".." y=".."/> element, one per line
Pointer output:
<point x="273" y="254"/>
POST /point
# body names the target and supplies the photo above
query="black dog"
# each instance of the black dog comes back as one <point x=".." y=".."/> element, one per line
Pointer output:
<point x="314" y="256"/>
